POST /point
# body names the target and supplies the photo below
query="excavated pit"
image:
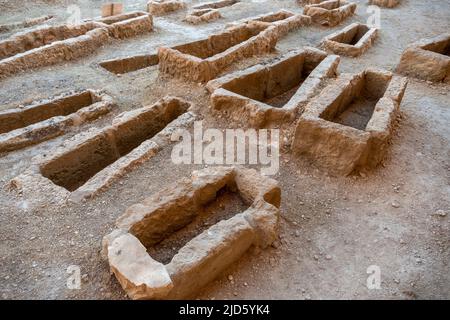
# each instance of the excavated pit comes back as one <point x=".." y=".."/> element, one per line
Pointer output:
<point x="130" y="64"/>
<point x="212" y="46"/>
<point x="275" y="87"/>
<point x="216" y="4"/>
<point x="358" y="107"/>
<point x="226" y="205"/>
<point x="442" y="47"/>
<point x="74" y="168"/>
<point x="427" y="59"/>
<point x="184" y="236"/>
<point x="40" y="37"/>
<point x="203" y="60"/>
<point x="22" y="117"/>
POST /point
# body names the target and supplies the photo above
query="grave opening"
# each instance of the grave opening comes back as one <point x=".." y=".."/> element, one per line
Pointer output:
<point x="217" y="44"/>
<point x="40" y="37"/>
<point x="216" y="4"/>
<point x="276" y="86"/>
<point x="226" y="204"/>
<point x="441" y="47"/>
<point x="22" y="117"/>
<point x="355" y="105"/>
<point x="76" y="166"/>
<point x="130" y="64"/>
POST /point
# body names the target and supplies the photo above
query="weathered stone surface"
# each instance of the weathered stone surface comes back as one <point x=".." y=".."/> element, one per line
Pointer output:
<point x="202" y="16"/>
<point x="385" y="3"/>
<point x="330" y="13"/>
<point x="163" y="7"/>
<point x="25" y="24"/>
<point x="427" y="59"/>
<point x="342" y="149"/>
<point x="112" y="9"/>
<point x="352" y="41"/>
<point x="139" y="275"/>
<point x="243" y="96"/>
<point x="32" y="124"/>
<point x="204" y="257"/>
<point x="216" y="4"/>
<point x="203" y="60"/>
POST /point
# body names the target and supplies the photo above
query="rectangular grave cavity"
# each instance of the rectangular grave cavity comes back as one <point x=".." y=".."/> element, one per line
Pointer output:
<point x="352" y="41"/>
<point x="216" y="4"/>
<point x="347" y="128"/>
<point x="72" y="167"/>
<point x="163" y="7"/>
<point x="24" y="24"/>
<point x="202" y="16"/>
<point x="330" y="13"/>
<point x="128" y="24"/>
<point x="47" y="46"/>
<point x="175" y="217"/>
<point x="272" y="93"/>
<point x="385" y="3"/>
<point x="428" y="59"/>
<point x="284" y="20"/>
<point x="41" y="121"/>
<point x="130" y="64"/>
<point x="203" y="60"/>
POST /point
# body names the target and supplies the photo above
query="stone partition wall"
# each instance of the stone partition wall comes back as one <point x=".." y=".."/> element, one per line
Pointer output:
<point x="90" y="162"/>
<point x="209" y="253"/>
<point x="163" y="7"/>
<point x="203" y="60"/>
<point x="351" y="41"/>
<point x="348" y="127"/>
<point x="270" y="94"/>
<point x="427" y="59"/>
<point x="330" y="13"/>
<point x="41" y="121"/>
<point x="128" y="25"/>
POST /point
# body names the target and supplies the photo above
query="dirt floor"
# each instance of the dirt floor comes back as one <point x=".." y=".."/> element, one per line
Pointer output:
<point x="332" y="228"/>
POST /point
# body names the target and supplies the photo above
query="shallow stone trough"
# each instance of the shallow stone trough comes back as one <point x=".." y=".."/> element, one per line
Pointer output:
<point x="352" y="41"/>
<point x="330" y="13"/>
<point x="385" y="3"/>
<point x="206" y="255"/>
<point x="202" y="16"/>
<point x="203" y="60"/>
<point x="163" y="7"/>
<point x="90" y="162"/>
<point x="130" y="64"/>
<point x="35" y="123"/>
<point x="348" y="127"/>
<point x="127" y="25"/>
<point x="273" y="93"/>
<point x="25" y="24"/>
<point x="283" y="20"/>
<point x="427" y="59"/>
<point x="46" y="46"/>
<point x="216" y="4"/>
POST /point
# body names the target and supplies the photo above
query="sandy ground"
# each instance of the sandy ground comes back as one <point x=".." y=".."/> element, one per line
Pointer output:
<point x="332" y="228"/>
